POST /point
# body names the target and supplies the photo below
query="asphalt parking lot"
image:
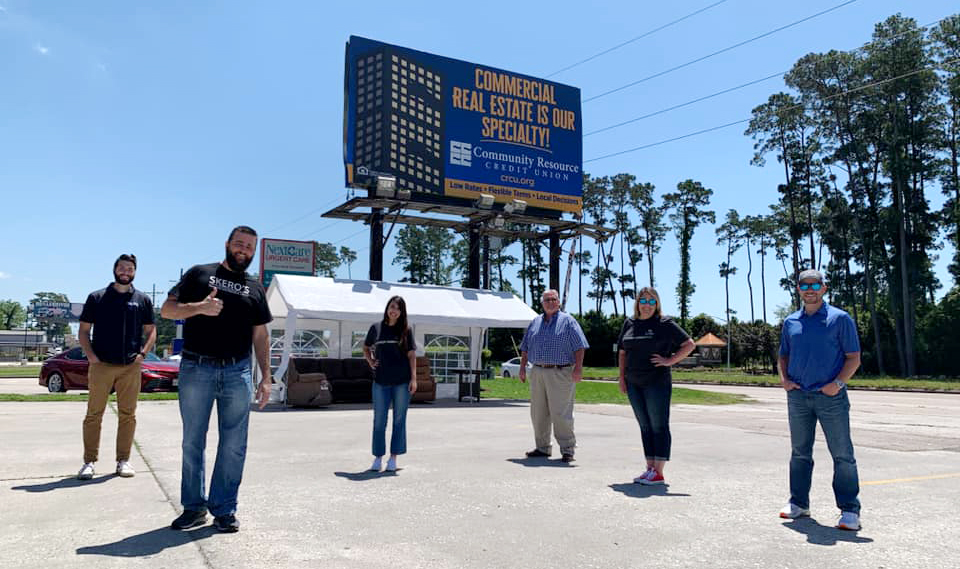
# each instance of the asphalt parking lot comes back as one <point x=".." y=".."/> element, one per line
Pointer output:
<point x="466" y="497"/>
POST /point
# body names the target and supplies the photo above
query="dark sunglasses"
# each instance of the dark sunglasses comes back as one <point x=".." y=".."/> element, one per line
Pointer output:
<point x="551" y="300"/>
<point x="814" y="286"/>
<point x="651" y="302"/>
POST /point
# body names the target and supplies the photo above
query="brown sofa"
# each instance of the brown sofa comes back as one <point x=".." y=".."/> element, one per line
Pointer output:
<point x="350" y="379"/>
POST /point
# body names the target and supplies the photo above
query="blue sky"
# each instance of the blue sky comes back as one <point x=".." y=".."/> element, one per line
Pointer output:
<point x="155" y="127"/>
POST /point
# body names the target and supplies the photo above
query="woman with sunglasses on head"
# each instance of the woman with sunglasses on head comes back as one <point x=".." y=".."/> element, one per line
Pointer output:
<point x="649" y="345"/>
<point x="390" y="350"/>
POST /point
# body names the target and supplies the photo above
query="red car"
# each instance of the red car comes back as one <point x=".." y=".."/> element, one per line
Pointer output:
<point x="68" y="370"/>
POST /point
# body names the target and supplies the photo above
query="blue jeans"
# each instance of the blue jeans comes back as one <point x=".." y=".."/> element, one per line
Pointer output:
<point x="383" y="396"/>
<point x="651" y="407"/>
<point x="231" y="387"/>
<point x="804" y="409"/>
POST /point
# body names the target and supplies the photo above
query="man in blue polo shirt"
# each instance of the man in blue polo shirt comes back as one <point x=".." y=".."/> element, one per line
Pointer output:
<point x="555" y="344"/>
<point x="819" y="352"/>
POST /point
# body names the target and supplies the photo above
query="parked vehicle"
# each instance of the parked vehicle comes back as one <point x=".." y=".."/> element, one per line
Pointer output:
<point x="68" y="370"/>
<point x="511" y="368"/>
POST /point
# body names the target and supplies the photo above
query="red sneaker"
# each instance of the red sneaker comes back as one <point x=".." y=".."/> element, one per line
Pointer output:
<point x="654" y="479"/>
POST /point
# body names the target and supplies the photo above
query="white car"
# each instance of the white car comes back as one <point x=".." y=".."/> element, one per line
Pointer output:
<point x="511" y="368"/>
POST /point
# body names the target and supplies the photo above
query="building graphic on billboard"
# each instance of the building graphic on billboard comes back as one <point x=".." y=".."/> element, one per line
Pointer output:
<point x="447" y="127"/>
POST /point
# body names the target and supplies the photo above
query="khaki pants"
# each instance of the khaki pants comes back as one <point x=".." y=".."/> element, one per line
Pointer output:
<point x="101" y="378"/>
<point x="551" y="403"/>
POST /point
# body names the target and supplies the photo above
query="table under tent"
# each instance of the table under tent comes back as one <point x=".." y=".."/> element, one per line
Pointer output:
<point x="321" y="317"/>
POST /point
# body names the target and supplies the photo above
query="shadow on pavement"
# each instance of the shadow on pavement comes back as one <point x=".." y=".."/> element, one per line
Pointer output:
<point x="635" y="490"/>
<point x="540" y="462"/>
<point x="366" y="475"/>
<point x="149" y="543"/>
<point x="69" y="482"/>
<point x="818" y="534"/>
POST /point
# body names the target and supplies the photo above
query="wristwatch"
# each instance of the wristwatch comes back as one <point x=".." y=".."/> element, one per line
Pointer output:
<point x="839" y="383"/>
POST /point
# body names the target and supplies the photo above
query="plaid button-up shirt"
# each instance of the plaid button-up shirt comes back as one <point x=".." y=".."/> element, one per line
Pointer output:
<point x="553" y="341"/>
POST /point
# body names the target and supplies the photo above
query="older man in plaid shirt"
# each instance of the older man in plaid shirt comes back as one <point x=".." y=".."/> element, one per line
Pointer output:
<point x="554" y="343"/>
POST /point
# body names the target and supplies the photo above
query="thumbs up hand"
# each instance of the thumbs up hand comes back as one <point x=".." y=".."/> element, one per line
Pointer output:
<point x="211" y="305"/>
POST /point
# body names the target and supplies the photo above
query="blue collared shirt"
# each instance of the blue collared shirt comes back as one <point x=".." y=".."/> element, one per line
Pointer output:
<point x="553" y="341"/>
<point x="817" y="344"/>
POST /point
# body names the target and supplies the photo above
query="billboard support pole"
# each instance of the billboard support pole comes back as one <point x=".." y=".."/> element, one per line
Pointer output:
<point x="473" y="263"/>
<point x="376" y="244"/>
<point x="555" y="260"/>
<point x="486" y="262"/>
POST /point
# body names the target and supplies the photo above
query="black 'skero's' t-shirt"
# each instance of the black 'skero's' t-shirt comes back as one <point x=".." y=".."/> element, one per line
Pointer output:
<point x="393" y="364"/>
<point x="118" y="319"/>
<point x="641" y="339"/>
<point x="230" y="333"/>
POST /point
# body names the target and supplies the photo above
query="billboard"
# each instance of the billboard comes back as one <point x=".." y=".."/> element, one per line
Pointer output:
<point x="452" y="128"/>
<point x="281" y="256"/>
<point x="54" y="311"/>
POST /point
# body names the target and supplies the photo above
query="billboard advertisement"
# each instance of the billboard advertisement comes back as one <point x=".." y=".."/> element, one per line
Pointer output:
<point x="285" y="257"/>
<point x="452" y="128"/>
<point x="54" y="311"/>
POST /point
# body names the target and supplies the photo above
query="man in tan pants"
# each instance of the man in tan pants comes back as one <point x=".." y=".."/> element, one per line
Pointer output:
<point x="121" y="317"/>
<point x="555" y="344"/>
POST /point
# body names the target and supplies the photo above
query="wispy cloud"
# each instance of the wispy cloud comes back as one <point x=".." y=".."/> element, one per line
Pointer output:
<point x="4" y="275"/>
<point x="41" y="49"/>
<point x="2" y="9"/>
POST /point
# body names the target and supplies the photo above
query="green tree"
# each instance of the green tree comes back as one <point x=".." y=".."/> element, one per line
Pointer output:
<point x="327" y="260"/>
<point x="423" y="253"/>
<point x="347" y="256"/>
<point x="12" y="314"/>
<point x="652" y="229"/>
<point x="687" y="208"/>
<point x="729" y="234"/>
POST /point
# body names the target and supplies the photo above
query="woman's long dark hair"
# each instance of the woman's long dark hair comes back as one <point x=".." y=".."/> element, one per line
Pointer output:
<point x="401" y="320"/>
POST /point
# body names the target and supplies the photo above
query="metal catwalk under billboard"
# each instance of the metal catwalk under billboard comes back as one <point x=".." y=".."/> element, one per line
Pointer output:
<point x="452" y="128"/>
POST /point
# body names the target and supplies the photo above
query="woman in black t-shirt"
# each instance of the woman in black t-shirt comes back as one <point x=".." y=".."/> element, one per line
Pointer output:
<point x="391" y="352"/>
<point x="649" y="344"/>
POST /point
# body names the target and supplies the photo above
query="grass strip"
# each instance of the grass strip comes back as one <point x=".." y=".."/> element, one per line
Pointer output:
<point x="593" y="392"/>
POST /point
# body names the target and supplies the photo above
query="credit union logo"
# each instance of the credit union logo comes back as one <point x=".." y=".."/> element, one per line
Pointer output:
<point x="460" y="153"/>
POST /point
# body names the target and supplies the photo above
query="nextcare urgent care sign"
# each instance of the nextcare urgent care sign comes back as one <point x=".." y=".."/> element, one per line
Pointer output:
<point x="280" y="256"/>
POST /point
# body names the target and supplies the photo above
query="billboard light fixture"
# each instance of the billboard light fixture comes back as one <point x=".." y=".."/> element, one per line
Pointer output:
<point x="485" y="201"/>
<point x="515" y="206"/>
<point x="403" y="194"/>
<point x="386" y="186"/>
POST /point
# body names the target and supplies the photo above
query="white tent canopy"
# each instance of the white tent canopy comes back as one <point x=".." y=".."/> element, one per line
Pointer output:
<point x="293" y="297"/>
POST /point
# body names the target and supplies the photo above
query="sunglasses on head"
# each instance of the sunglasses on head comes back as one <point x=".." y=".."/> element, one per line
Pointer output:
<point x="808" y="286"/>
<point x="651" y="301"/>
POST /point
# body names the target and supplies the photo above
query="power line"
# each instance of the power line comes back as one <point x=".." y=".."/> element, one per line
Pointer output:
<point x="681" y="105"/>
<point x="724" y="50"/>
<point x="797" y="106"/>
<point x="762" y="79"/>
<point x="641" y="36"/>
<point x="304" y="216"/>
<point x="350" y="236"/>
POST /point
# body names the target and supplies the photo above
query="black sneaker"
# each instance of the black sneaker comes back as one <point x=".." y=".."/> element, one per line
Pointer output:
<point x="190" y="519"/>
<point x="567" y="457"/>
<point x="537" y="453"/>
<point x="227" y="523"/>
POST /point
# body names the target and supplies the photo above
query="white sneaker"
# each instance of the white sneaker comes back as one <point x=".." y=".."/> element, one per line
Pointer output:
<point x="640" y="479"/>
<point x="375" y="467"/>
<point x="792" y="511"/>
<point x="849" y="521"/>
<point x="125" y="470"/>
<point x="392" y="464"/>
<point x="86" y="472"/>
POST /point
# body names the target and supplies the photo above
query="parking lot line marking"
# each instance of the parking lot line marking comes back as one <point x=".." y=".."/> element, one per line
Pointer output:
<point x="911" y="479"/>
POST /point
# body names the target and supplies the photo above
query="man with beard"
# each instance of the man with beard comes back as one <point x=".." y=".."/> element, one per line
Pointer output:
<point x="819" y="352"/>
<point x="121" y="317"/>
<point x="226" y="312"/>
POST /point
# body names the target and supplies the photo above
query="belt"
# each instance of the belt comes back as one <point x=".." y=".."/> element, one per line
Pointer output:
<point x="553" y="366"/>
<point x="201" y="359"/>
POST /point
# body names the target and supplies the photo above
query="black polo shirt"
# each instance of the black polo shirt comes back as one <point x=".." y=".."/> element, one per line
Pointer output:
<point x="229" y="334"/>
<point x="641" y="339"/>
<point x="118" y="320"/>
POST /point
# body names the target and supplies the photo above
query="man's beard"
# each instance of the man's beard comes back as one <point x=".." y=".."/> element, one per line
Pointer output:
<point x="236" y="265"/>
<point x="122" y="279"/>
